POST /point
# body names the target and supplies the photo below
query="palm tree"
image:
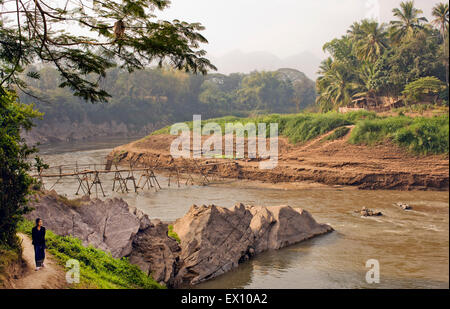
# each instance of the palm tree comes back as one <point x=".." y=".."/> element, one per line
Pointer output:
<point x="334" y="86"/>
<point x="441" y="21"/>
<point x="355" y="30"/>
<point x="409" y="21"/>
<point x="364" y="83"/>
<point x="370" y="41"/>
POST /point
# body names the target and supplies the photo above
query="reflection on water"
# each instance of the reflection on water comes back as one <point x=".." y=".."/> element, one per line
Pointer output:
<point x="411" y="246"/>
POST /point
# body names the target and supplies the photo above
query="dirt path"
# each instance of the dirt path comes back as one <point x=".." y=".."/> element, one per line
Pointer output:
<point x="52" y="276"/>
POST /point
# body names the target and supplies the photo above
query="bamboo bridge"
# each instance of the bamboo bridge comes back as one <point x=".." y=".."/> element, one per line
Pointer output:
<point x="132" y="178"/>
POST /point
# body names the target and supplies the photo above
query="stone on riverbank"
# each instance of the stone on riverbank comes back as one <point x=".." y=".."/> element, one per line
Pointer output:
<point x="216" y="239"/>
<point x="213" y="239"/>
<point x="114" y="227"/>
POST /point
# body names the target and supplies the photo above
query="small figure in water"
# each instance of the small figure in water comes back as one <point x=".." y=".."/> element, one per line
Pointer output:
<point x="38" y="237"/>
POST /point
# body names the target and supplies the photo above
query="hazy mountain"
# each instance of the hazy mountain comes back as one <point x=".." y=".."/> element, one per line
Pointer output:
<point x="238" y="61"/>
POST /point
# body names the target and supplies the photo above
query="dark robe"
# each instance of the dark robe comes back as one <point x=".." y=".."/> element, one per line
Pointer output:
<point x="38" y="237"/>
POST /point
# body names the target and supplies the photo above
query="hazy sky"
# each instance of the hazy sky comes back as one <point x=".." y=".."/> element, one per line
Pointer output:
<point x="282" y="27"/>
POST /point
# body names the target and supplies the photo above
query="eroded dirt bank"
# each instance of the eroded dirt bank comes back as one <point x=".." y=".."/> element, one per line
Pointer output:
<point x="337" y="162"/>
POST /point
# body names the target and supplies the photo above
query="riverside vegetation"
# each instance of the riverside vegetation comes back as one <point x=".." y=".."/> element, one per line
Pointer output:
<point x="419" y="135"/>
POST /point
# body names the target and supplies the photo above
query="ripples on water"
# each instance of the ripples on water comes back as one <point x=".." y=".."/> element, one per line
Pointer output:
<point x="411" y="246"/>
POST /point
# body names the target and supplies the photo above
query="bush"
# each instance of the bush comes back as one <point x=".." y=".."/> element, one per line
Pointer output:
<point x="416" y="90"/>
<point x="14" y="163"/>
<point x="420" y="135"/>
<point x="372" y="131"/>
<point x="425" y="135"/>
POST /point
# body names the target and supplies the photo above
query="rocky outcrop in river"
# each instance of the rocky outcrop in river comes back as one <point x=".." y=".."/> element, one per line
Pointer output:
<point x="213" y="239"/>
<point x="216" y="239"/>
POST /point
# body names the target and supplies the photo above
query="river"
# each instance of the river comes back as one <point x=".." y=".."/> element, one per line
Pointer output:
<point x="412" y="247"/>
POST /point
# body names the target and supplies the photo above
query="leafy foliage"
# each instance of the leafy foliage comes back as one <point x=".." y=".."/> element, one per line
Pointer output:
<point x="416" y="90"/>
<point x="124" y="33"/>
<point x="162" y="96"/>
<point x="14" y="180"/>
<point x="375" y="59"/>
<point x="409" y="21"/>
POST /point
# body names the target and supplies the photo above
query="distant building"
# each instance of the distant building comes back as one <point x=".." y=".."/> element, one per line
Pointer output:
<point x="376" y="104"/>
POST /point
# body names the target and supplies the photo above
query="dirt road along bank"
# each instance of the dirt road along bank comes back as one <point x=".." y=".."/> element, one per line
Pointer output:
<point x="52" y="276"/>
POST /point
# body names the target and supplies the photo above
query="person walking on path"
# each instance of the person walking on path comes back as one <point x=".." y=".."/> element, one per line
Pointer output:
<point x="38" y="238"/>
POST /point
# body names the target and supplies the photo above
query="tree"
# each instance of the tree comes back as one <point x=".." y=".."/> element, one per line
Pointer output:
<point x="416" y="90"/>
<point x="335" y="87"/>
<point x="370" y="41"/>
<point x="14" y="180"/>
<point x="412" y="59"/>
<point x="366" y="83"/>
<point x="124" y="33"/>
<point x="341" y="50"/>
<point x="441" y="21"/>
<point x="409" y="21"/>
<point x="265" y="91"/>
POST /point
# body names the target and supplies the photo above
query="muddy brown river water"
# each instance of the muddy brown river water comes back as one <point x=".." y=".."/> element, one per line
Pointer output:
<point x="412" y="247"/>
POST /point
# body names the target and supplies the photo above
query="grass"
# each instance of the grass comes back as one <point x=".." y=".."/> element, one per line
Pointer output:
<point x="172" y="234"/>
<point x="297" y="127"/>
<point x="98" y="269"/>
<point x="337" y="134"/>
<point x="420" y="135"/>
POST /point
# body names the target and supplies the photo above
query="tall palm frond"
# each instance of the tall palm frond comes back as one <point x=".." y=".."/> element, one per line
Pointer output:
<point x="408" y="23"/>
<point x="441" y="21"/>
<point x="371" y="41"/>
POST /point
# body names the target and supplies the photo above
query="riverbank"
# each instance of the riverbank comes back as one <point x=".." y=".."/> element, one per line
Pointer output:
<point x="412" y="246"/>
<point x="360" y="149"/>
<point x="330" y="162"/>
<point x="98" y="269"/>
<point x="118" y="246"/>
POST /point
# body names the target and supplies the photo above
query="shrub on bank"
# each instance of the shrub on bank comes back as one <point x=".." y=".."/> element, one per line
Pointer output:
<point x="420" y="135"/>
<point x="98" y="269"/>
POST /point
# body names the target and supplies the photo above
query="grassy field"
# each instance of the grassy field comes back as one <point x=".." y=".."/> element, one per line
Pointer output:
<point x="421" y="135"/>
<point x="98" y="270"/>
